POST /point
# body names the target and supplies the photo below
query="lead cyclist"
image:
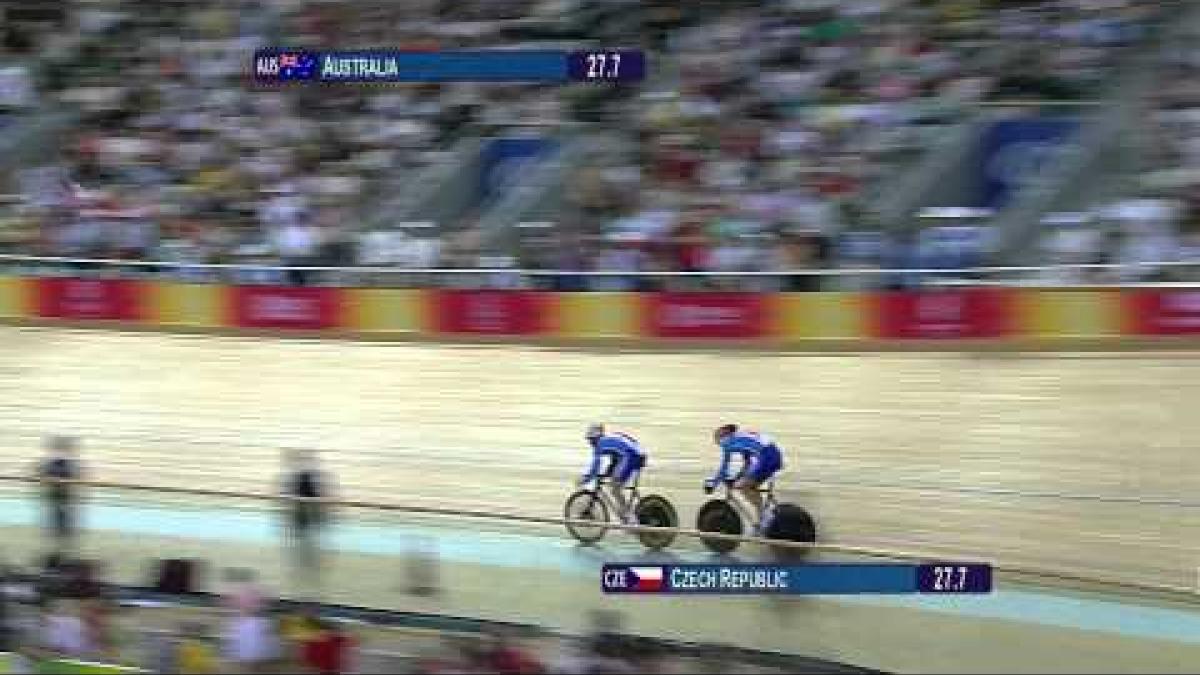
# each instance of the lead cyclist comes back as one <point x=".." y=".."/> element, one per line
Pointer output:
<point x="761" y="460"/>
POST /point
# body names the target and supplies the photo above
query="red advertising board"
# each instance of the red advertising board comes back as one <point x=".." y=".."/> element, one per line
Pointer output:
<point x="945" y="313"/>
<point x="484" y="312"/>
<point x="286" y="307"/>
<point x="91" y="299"/>
<point x="704" y="315"/>
<point x="1163" y="311"/>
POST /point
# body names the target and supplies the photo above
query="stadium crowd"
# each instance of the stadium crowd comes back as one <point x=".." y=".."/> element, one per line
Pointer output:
<point x="178" y="156"/>
<point x="1155" y="218"/>
<point x="760" y="155"/>
<point x="760" y="148"/>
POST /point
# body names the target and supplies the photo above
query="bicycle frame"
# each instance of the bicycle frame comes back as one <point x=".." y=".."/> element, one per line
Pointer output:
<point x="743" y="507"/>
<point x="606" y="495"/>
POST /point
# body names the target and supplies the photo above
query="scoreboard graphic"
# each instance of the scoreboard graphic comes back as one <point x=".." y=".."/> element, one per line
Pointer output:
<point x="275" y="66"/>
<point x="815" y="579"/>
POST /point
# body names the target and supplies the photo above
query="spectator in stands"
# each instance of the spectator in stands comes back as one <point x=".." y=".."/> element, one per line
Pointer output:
<point x="1189" y="239"/>
<point x="59" y="473"/>
<point x="7" y="629"/>
<point x="1146" y="234"/>
<point x="456" y="654"/>
<point x="16" y="88"/>
<point x="623" y="254"/>
<point x="64" y="632"/>
<point x="242" y="592"/>
<point x="250" y="642"/>
<point x="328" y="649"/>
<point x="504" y="654"/>
<point x="97" y="616"/>
<point x="797" y="252"/>
<point x="194" y="653"/>
<point x="691" y="244"/>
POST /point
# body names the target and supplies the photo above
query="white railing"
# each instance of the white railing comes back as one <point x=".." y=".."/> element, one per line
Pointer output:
<point x="83" y="264"/>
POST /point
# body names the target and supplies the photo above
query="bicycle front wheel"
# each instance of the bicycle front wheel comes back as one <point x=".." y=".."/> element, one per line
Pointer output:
<point x="718" y="515"/>
<point x="586" y="505"/>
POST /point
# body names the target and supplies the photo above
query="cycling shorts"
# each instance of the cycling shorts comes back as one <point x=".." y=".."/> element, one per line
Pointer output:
<point x="767" y="463"/>
<point x="621" y="470"/>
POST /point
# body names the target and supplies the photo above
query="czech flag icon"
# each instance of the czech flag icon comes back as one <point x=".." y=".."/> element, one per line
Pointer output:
<point x="647" y="579"/>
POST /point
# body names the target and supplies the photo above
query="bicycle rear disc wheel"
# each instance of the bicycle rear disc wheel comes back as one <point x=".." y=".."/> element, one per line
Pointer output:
<point x="656" y="511"/>
<point x="586" y="505"/>
<point x="718" y="515"/>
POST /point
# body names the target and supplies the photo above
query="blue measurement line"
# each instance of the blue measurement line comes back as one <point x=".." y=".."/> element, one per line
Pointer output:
<point x="454" y="545"/>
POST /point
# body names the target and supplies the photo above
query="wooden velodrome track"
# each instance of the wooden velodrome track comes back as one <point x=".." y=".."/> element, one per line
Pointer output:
<point x="1085" y="462"/>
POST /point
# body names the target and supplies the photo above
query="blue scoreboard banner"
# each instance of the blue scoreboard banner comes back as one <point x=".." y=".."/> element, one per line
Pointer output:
<point x="815" y="579"/>
<point x="1015" y="151"/>
<point x="504" y="159"/>
<point x="498" y="65"/>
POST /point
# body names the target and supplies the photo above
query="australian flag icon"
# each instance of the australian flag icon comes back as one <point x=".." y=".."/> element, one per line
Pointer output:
<point x="297" y="65"/>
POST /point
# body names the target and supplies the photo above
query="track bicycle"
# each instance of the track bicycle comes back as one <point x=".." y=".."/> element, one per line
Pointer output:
<point x="592" y="503"/>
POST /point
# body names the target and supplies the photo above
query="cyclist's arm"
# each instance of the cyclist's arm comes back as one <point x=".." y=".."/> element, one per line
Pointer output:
<point x="723" y="471"/>
<point x="594" y="469"/>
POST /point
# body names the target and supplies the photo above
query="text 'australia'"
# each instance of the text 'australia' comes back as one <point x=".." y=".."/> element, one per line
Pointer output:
<point x="359" y="67"/>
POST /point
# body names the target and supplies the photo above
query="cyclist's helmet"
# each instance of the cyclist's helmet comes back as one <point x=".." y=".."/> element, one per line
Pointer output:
<point x="723" y="431"/>
<point x="594" y="432"/>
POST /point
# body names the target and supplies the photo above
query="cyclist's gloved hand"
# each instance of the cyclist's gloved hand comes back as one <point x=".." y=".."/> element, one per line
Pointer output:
<point x="709" y="486"/>
<point x="583" y="480"/>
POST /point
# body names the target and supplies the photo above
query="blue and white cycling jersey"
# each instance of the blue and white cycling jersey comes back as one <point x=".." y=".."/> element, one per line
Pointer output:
<point x="625" y="452"/>
<point x="761" y="457"/>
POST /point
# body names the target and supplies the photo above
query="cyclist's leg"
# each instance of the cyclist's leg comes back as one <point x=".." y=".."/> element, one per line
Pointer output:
<point x="748" y="488"/>
<point x="760" y="470"/>
<point x="622" y="473"/>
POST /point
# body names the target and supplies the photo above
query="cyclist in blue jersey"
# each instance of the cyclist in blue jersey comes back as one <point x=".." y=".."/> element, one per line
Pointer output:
<point x="626" y="458"/>
<point x="761" y="459"/>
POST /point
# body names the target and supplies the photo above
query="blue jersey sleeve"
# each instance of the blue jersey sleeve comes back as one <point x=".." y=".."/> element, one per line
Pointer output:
<point x="618" y="446"/>
<point x="597" y="458"/>
<point x="723" y="471"/>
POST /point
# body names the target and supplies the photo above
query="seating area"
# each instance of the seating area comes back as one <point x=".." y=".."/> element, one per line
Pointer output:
<point x="59" y="618"/>
<point x="177" y="159"/>
<point x="1155" y="218"/>
<point x="760" y="144"/>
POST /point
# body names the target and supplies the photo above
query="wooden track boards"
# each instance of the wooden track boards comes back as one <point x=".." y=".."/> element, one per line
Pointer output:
<point x="1085" y="462"/>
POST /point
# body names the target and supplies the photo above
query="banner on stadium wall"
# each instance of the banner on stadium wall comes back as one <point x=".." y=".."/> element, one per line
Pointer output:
<point x="1163" y="311"/>
<point x="505" y="159"/>
<point x="387" y="310"/>
<point x="285" y="307"/>
<point x="13" y="294"/>
<point x="187" y="304"/>
<point x="956" y="313"/>
<point x="89" y="299"/>
<point x="598" y="314"/>
<point x="485" y="312"/>
<point x="705" y="315"/>
<point x="831" y="315"/>
<point x="1068" y="313"/>
<point x="1014" y="151"/>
